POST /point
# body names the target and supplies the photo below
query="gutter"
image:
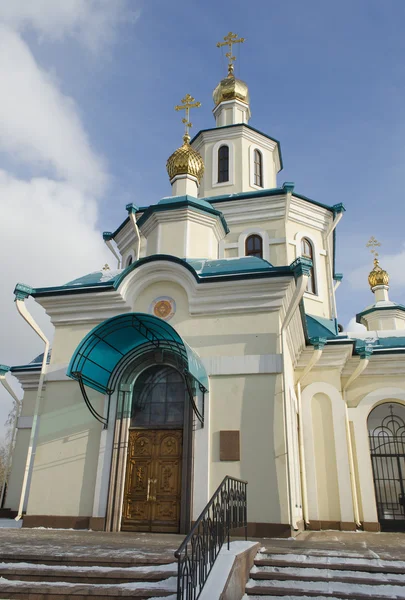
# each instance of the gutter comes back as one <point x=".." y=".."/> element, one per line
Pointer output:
<point x="3" y="371"/>
<point x="22" y="309"/>
<point x="132" y="210"/>
<point x="338" y="211"/>
<point x="319" y="344"/>
<point x="365" y="353"/>
<point x="301" y="268"/>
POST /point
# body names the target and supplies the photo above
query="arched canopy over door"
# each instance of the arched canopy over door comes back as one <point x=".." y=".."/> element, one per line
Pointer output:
<point x="102" y="356"/>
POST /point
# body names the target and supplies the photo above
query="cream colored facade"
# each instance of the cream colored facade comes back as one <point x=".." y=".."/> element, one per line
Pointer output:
<point x="280" y="373"/>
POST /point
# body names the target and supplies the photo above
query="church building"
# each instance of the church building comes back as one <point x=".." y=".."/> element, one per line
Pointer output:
<point x="213" y="349"/>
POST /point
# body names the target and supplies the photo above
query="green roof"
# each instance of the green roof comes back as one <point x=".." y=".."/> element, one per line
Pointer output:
<point x="245" y="267"/>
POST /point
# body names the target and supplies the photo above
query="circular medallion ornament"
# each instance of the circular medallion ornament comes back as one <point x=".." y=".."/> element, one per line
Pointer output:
<point x="163" y="307"/>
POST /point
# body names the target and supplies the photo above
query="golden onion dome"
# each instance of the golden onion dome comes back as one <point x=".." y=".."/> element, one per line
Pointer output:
<point x="231" y="88"/>
<point x="378" y="276"/>
<point x="185" y="161"/>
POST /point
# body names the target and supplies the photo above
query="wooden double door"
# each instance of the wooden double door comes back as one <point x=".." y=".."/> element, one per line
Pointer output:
<point x="152" y="494"/>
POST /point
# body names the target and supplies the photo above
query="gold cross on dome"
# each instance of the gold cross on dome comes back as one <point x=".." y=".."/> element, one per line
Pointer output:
<point x="187" y="103"/>
<point x="373" y="244"/>
<point x="229" y="40"/>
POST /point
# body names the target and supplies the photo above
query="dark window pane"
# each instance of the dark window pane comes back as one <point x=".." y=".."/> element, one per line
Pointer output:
<point x="223" y="164"/>
<point x="254" y="246"/>
<point x="158" y="398"/>
<point x="258" y="168"/>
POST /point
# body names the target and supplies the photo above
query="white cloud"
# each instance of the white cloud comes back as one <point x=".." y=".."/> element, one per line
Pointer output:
<point x="353" y="326"/>
<point x="48" y="224"/>
<point x="38" y="124"/>
<point x="48" y="236"/>
<point x="93" y="22"/>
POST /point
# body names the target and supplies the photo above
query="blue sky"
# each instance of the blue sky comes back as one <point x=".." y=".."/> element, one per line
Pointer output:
<point x="326" y="78"/>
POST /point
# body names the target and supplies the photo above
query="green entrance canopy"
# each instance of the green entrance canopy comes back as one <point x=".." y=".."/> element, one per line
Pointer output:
<point x="102" y="356"/>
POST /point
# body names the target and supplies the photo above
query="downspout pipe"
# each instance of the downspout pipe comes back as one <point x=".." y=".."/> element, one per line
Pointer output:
<point x="338" y="210"/>
<point x="301" y="268"/>
<point x="107" y="237"/>
<point x="21" y="293"/>
<point x="132" y="210"/>
<point x="3" y="372"/>
<point x="318" y="344"/>
<point x="365" y="353"/>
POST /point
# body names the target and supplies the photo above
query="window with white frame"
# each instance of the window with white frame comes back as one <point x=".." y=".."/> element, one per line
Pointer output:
<point x="258" y="168"/>
<point x="223" y="164"/>
<point x="307" y="251"/>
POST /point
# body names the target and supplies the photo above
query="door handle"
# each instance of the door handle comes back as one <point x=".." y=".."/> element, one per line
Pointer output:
<point x="151" y="494"/>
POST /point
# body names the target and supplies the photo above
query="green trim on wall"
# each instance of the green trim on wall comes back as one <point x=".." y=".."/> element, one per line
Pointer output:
<point x="378" y="309"/>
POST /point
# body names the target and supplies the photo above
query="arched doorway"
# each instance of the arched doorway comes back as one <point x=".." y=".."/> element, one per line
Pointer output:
<point x="386" y="426"/>
<point x="157" y="466"/>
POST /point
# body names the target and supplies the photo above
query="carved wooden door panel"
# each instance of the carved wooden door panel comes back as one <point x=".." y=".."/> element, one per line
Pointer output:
<point x="152" y="495"/>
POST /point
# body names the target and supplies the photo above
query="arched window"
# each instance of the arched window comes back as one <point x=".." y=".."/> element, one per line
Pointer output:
<point x="129" y="261"/>
<point x="158" y="398"/>
<point x="254" y="246"/>
<point x="258" y="168"/>
<point x="223" y="164"/>
<point x="307" y="251"/>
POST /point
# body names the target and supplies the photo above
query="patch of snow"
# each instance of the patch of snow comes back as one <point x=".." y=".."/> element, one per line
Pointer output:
<point x="334" y="587"/>
<point x="335" y="559"/>
<point x="308" y="572"/>
<point x="110" y="274"/>
<point x="169" y="585"/>
<point x="170" y="568"/>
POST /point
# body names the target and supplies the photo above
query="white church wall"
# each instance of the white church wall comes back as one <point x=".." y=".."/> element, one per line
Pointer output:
<point x="15" y="480"/>
<point x="66" y="339"/>
<point x="325" y="458"/>
<point x="67" y="452"/>
<point x="248" y="404"/>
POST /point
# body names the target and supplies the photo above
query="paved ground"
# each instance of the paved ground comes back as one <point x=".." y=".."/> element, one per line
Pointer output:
<point x="371" y="545"/>
<point x="20" y="542"/>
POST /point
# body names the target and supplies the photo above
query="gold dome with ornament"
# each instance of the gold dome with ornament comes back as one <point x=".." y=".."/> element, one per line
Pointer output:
<point x="231" y="88"/>
<point x="185" y="160"/>
<point x="378" y="276"/>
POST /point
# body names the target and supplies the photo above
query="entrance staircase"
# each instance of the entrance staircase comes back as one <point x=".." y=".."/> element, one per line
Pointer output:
<point x="75" y="577"/>
<point x="283" y="573"/>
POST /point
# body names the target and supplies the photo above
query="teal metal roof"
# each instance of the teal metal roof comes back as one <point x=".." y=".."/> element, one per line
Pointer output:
<point x="319" y="327"/>
<point x="108" y="349"/>
<point x="376" y="308"/>
<point x="175" y="202"/>
<point x="202" y="269"/>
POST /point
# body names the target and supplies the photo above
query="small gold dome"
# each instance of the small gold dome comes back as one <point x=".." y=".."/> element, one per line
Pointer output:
<point x="378" y="276"/>
<point x="185" y="161"/>
<point x="231" y="88"/>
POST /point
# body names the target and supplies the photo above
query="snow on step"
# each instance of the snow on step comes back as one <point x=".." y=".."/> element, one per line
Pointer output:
<point x="169" y="585"/>
<point x="332" y="587"/>
<point x="308" y="573"/>
<point x="332" y="560"/>
<point x="161" y="569"/>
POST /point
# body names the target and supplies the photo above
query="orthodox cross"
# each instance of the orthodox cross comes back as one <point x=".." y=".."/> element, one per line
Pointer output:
<point x="373" y="244"/>
<point x="187" y="103"/>
<point x="229" y="40"/>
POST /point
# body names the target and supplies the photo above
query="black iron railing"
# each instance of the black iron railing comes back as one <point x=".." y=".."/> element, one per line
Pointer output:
<point x="226" y="511"/>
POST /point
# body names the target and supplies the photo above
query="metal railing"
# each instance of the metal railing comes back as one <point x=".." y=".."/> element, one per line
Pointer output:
<point x="227" y="510"/>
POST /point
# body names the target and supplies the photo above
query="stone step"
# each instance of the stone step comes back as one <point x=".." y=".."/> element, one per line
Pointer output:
<point x="298" y="574"/>
<point x="337" y="562"/>
<point x="133" y="559"/>
<point x="22" y="590"/>
<point x="86" y="574"/>
<point x="328" y="589"/>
